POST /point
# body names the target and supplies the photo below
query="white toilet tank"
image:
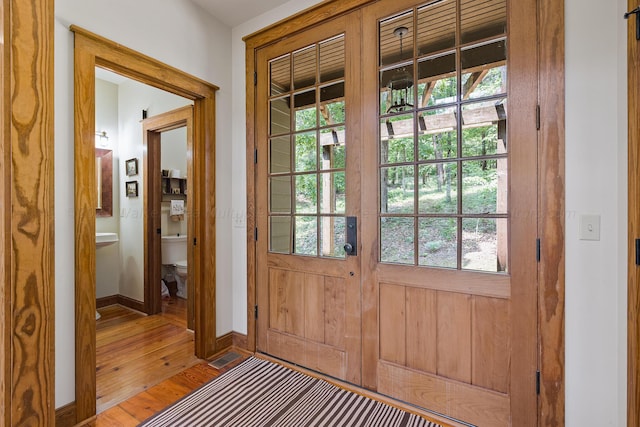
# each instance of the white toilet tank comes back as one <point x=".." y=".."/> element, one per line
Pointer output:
<point x="174" y="249"/>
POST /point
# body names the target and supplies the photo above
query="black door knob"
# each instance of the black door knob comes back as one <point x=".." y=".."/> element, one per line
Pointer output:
<point x="348" y="248"/>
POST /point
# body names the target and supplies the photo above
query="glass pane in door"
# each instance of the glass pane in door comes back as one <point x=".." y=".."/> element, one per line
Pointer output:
<point x="307" y="174"/>
<point x="443" y="151"/>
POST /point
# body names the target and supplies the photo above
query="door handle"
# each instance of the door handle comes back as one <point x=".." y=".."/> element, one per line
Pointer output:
<point x="351" y="246"/>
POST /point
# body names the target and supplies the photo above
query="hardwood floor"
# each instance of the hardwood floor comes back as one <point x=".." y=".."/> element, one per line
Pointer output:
<point x="143" y="405"/>
<point x="135" y="352"/>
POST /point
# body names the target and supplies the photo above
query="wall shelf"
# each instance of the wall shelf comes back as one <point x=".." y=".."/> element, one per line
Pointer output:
<point x="174" y="188"/>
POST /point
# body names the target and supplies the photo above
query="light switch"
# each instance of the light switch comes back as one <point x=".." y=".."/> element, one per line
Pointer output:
<point x="589" y="227"/>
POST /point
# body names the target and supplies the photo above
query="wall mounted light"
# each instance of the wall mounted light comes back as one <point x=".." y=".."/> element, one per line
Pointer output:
<point x="102" y="139"/>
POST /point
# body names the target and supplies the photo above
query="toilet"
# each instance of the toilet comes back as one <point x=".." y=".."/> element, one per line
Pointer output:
<point x="174" y="259"/>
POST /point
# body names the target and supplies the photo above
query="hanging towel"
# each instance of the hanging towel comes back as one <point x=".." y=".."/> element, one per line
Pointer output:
<point x="177" y="207"/>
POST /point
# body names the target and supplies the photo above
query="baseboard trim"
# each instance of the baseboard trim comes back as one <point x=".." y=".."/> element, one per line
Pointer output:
<point x="106" y="301"/>
<point x="239" y="340"/>
<point x="131" y="303"/>
<point x="122" y="300"/>
<point x="224" y="342"/>
<point x="66" y="415"/>
<point x="231" y="340"/>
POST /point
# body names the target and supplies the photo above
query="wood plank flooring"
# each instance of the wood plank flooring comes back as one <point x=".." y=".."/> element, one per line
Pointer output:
<point x="135" y="352"/>
<point x="143" y="405"/>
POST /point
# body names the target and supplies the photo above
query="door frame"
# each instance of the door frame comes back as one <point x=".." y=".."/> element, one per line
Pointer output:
<point x="27" y="294"/>
<point x="90" y="51"/>
<point x="152" y="129"/>
<point x="551" y="185"/>
<point x="633" y="224"/>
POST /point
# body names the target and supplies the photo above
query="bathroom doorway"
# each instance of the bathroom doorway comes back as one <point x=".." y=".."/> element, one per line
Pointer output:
<point x="168" y="182"/>
<point x="91" y="50"/>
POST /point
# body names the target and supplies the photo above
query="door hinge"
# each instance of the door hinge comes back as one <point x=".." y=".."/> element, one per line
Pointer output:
<point x="255" y="311"/>
<point x="537" y="117"/>
<point x="255" y="78"/>
<point x="537" y="382"/>
<point x="637" y="251"/>
<point x="538" y="250"/>
<point x="255" y="234"/>
<point x="255" y="156"/>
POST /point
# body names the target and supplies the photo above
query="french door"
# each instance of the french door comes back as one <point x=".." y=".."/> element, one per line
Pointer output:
<point x="407" y="133"/>
<point x="308" y="183"/>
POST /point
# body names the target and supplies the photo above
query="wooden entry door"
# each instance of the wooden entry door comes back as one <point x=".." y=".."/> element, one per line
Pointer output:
<point x="444" y="172"/>
<point x="307" y="180"/>
<point x="450" y="292"/>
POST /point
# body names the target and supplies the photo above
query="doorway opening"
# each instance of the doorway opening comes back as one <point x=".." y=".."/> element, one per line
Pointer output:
<point x="90" y="51"/>
<point x="167" y="209"/>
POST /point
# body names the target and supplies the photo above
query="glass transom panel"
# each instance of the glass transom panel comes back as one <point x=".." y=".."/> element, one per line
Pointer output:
<point x="442" y="149"/>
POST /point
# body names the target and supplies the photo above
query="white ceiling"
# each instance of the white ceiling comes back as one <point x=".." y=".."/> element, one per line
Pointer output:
<point x="234" y="12"/>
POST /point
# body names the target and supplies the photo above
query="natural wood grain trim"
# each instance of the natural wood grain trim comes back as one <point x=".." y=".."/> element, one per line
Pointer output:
<point x="110" y="52"/>
<point x="633" y="272"/>
<point x="551" y="227"/>
<point x="106" y="301"/>
<point x="313" y="15"/>
<point x="204" y="210"/>
<point x="66" y="415"/>
<point x="28" y="387"/>
<point x="239" y="340"/>
<point x="224" y="342"/>
<point x="91" y="50"/>
<point x="523" y="313"/>
<point x="85" y="273"/>
<point x="251" y="197"/>
<point x="5" y="219"/>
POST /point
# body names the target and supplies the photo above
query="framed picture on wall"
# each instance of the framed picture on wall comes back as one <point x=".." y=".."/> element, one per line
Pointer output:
<point x="132" y="188"/>
<point x="132" y="167"/>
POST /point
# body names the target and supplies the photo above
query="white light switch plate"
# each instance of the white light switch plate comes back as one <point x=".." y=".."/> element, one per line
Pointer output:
<point x="589" y="227"/>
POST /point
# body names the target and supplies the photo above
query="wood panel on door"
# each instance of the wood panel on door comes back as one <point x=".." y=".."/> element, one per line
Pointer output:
<point x="308" y="288"/>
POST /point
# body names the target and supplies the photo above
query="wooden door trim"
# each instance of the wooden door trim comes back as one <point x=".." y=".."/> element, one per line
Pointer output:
<point x="551" y="210"/>
<point x="27" y="312"/>
<point x="90" y="51"/>
<point x="152" y="129"/>
<point x="633" y="291"/>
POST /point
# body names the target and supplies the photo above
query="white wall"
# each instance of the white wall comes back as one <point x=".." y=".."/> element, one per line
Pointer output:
<point x="596" y="171"/>
<point x="182" y="35"/>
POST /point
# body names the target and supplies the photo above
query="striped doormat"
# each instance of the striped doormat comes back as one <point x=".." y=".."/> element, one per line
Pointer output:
<point x="260" y="393"/>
